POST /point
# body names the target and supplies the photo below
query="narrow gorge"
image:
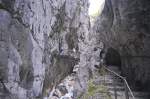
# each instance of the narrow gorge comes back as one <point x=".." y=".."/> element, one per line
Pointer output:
<point x="54" y="49"/>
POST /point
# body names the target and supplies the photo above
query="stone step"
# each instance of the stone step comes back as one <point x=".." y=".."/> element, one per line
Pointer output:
<point x="116" y="84"/>
<point x="118" y="88"/>
<point x="137" y="95"/>
<point x="111" y="84"/>
<point x="119" y="93"/>
<point x="140" y="94"/>
<point x="113" y="80"/>
<point x="140" y="98"/>
<point x="110" y="75"/>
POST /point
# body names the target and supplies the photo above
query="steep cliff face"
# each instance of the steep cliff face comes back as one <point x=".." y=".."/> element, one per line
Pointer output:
<point x="40" y="42"/>
<point x="124" y="26"/>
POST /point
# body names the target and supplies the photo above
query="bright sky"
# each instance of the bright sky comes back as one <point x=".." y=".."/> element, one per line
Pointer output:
<point x="95" y="6"/>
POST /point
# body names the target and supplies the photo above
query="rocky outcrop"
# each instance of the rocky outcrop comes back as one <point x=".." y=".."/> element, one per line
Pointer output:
<point x="40" y="42"/>
<point x="124" y="26"/>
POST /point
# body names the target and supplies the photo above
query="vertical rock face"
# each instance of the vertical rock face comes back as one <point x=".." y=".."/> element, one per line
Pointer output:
<point x="39" y="43"/>
<point x="124" y="25"/>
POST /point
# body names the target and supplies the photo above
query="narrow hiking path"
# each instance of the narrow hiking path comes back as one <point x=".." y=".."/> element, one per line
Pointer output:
<point x="106" y="85"/>
<point x="116" y="85"/>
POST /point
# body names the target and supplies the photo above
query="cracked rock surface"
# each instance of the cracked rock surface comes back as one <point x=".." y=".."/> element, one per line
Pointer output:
<point x="39" y="44"/>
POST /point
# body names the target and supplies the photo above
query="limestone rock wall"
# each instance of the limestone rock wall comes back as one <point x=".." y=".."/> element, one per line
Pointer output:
<point x="124" y="25"/>
<point x="39" y="44"/>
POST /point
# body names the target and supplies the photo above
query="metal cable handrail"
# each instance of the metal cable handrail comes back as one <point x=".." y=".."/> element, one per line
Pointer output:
<point x="123" y="78"/>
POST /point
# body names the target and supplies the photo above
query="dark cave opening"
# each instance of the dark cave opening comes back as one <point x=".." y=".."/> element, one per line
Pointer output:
<point x="113" y="57"/>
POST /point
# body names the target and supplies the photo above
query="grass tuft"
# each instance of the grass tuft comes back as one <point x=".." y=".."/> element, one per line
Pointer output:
<point x="95" y="89"/>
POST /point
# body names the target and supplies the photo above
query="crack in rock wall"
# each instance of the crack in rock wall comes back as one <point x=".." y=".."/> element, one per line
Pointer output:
<point x="124" y="26"/>
<point x="40" y="42"/>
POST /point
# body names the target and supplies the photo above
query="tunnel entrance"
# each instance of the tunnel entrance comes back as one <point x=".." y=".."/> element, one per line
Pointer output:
<point x="113" y="57"/>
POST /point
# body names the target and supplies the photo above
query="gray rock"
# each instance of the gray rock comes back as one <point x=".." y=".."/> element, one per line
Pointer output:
<point x="40" y="43"/>
<point x="124" y="26"/>
<point x="62" y="89"/>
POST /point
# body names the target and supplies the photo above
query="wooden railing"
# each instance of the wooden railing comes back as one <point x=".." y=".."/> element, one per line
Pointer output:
<point x="126" y="85"/>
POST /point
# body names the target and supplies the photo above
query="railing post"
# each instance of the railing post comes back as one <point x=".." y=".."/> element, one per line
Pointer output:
<point x="126" y="90"/>
<point x="115" y="90"/>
